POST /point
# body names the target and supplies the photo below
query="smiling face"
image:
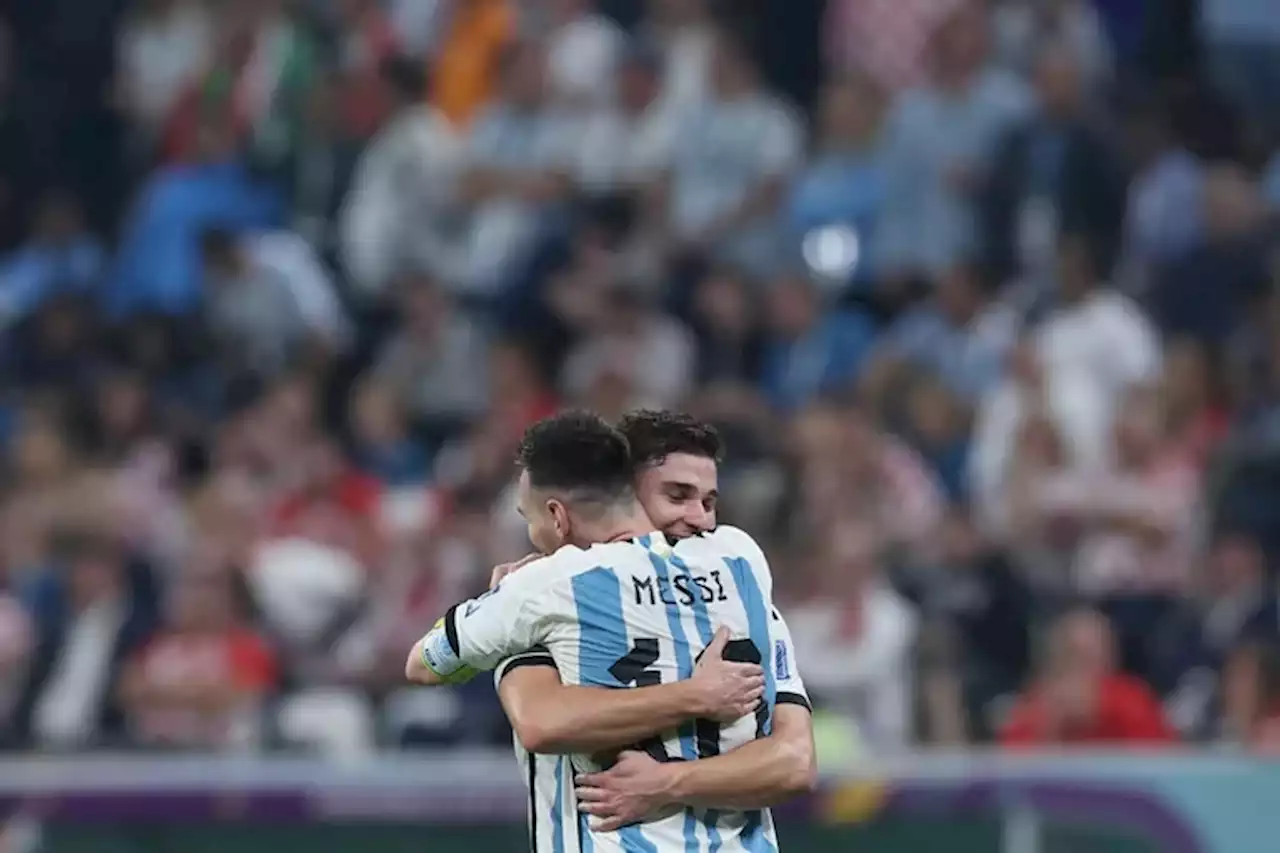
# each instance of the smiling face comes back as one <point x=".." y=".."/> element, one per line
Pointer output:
<point x="680" y="494"/>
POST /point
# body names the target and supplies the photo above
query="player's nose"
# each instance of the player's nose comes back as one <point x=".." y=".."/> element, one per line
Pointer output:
<point x="699" y="519"/>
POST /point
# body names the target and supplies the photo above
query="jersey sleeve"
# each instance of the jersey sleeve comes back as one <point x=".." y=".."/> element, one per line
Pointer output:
<point x="737" y="541"/>
<point x="536" y="656"/>
<point x="477" y="634"/>
<point x="786" y="672"/>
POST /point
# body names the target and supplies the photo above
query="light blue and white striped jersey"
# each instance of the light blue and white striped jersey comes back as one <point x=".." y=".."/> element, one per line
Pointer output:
<point x="637" y="613"/>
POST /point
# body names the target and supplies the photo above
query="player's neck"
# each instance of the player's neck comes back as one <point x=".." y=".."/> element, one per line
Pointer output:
<point x="621" y="527"/>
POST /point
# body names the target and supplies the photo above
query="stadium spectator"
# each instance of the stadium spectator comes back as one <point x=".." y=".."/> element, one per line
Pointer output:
<point x="520" y="156"/>
<point x="943" y="136"/>
<point x="435" y="362"/>
<point x="402" y="190"/>
<point x="1022" y="29"/>
<point x="1080" y="697"/>
<point x="1059" y="174"/>
<point x="59" y="257"/>
<point x="91" y="621"/>
<point x="631" y="342"/>
<point x="977" y="609"/>
<point x="1241" y="41"/>
<point x="1235" y="244"/>
<point x="886" y="39"/>
<point x="270" y="303"/>
<point x="844" y="184"/>
<point x="1163" y="212"/>
<point x="811" y="347"/>
<point x="382" y="445"/>
<point x="856" y="639"/>
<point x="963" y="335"/>
<point x="199" y="682"/>
<point x="731" y="166"/>
<point x="625" y="145"/>
<point x="367" y="39"/>
<point x="1214" y="655"/>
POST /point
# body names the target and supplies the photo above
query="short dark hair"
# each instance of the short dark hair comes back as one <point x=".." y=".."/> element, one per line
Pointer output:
<point x="578" y="453"/>
<point x="654" y="435"/>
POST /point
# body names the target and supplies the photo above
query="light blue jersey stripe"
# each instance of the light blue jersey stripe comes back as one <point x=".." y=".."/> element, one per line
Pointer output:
<point x="757" y="626"/>
<point x="557" y="821"/>
<point x="602" y="640"/>
<point x="584" y="833"/>
<point x="633" y="841"/>
<point x="753" y="837"/>
<point x="602" y="637"/>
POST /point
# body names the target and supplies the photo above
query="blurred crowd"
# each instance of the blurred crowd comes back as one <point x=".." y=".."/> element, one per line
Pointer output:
<point x="983" y="296"/>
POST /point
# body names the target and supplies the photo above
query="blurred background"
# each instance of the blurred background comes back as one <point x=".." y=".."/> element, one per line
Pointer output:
<point x="985" y="297"/>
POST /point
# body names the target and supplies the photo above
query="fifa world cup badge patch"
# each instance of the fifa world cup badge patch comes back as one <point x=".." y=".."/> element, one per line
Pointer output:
<point x="781" y="662"/>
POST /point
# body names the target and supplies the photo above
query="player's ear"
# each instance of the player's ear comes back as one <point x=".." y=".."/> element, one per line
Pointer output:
<point x="559" y="517"/>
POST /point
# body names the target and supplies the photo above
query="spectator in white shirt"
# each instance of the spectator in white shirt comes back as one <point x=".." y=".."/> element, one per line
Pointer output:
<point x="269" y="299"/>
<point x="520" y="155"/>
<point x="1095" y="330"/>
<point x="401" y="201"/>
<point x="856" y="643"/>
<point x="731" y="164"/>
<point x="624" y="146"/>
<point x="942" y="138"/>
<point x="1033" y="421"/>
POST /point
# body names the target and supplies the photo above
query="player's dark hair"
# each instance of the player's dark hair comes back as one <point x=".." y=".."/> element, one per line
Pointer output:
<point x="655" y="435"/>
<point x="580" y="455"/>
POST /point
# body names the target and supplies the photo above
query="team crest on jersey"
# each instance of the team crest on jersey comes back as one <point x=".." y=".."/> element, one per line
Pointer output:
<point x="781" y="661"/>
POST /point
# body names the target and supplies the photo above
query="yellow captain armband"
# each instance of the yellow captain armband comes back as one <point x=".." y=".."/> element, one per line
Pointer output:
<point x="439" y="656"/>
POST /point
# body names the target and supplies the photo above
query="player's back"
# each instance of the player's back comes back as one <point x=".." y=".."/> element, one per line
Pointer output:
<point x="639" y="613"/>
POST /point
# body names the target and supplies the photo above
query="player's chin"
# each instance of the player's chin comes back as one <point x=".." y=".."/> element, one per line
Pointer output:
<point x="680" y="530"/>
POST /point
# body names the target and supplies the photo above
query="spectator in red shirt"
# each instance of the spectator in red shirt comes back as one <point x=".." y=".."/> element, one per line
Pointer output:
<point x="1080" y="697"/>
<point x="200" y="682"/>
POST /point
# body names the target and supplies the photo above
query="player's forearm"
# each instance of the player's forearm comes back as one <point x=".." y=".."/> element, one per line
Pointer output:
<point x="757" y="775"/>
<point x="571" y="719"/>
<point x="416" y="669"/>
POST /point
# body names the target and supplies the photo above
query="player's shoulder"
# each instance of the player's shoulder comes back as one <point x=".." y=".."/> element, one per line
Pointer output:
<point x="730" y="544"/>
<point x="733" y="541"/>
<point x="567" y="562"/>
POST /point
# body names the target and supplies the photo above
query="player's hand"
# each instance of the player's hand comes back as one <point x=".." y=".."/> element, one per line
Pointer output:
<point x="634" y="787"/>
<point x="726" y="690"/>
<point x="501" y="571"/>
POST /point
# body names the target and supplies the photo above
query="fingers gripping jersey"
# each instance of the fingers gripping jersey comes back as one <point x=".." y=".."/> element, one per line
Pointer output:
<point x="633" y="614"/>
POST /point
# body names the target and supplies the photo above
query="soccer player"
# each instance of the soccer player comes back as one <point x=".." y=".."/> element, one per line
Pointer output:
<point x="676" y="458"/>
<point x="616" y="605"/>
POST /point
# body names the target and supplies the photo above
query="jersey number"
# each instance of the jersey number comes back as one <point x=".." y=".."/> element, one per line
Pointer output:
<point x="633" y="669"/>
